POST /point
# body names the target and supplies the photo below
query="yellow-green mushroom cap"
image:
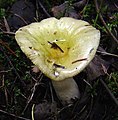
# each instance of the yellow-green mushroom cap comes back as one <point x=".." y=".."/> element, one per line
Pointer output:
<point x="60" y="48"/>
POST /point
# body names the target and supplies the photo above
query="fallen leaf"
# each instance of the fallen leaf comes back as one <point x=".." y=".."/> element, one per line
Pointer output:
<point x="66" y="10"/>
<point x="45" y="110"/>
<point x="23" y="13"/>
<point x="80" y="5"/>
<point x="96" y="68"/>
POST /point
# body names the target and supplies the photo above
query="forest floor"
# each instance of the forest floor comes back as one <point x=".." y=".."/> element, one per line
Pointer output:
<point x="27" y="94"/>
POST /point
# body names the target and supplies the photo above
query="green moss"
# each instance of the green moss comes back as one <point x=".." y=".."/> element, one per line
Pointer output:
<point x="2" y="12"/>
<point x="112" y="83"/>
<point x="5" y="3"/>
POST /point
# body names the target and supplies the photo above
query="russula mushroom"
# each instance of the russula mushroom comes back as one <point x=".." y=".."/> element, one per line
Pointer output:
<point x="60" y="48"/>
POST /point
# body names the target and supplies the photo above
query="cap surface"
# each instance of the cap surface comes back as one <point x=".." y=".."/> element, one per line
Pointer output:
<point x="61" y="48"/>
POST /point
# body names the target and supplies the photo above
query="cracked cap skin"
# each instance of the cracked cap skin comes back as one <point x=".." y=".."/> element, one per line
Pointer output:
<point x="60" y="48"/>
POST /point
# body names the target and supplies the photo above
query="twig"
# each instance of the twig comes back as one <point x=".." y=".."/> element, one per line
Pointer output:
<point x="33" y="92"/>
<point x="116" y="5"/>
<point x="103" y="22"/>
<point x="6" y="25"/>
<point x="12" y="115"/>
<point x="10" y="33"/>
<point x="3" y="87"/>
<point x="106" y="53"/>
<point x="33" y="106"/>
<point x="3" y="51"/>
<point x="21" y="18"/>
<point x="37" y="9"/>
<point x="110" y="93"/>
<point x="6" y="32"/>
<point x="6" y="45"/>
<point x="87" y="83"/>
<point x="90" y="109"/>
<point x="45" y="11"/>
<point x="5" y="71"/>
<point x="52" y="97"/>
<point x="5" y="90"/>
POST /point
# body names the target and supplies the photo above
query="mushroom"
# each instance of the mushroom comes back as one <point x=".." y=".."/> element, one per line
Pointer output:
<point x="60" y="48"/>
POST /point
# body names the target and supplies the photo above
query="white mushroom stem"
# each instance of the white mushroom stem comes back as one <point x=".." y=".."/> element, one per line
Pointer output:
<point x="66" y="90"/>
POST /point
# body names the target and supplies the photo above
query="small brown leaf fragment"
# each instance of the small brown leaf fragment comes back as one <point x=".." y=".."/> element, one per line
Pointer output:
<point x="35" y="69"/>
